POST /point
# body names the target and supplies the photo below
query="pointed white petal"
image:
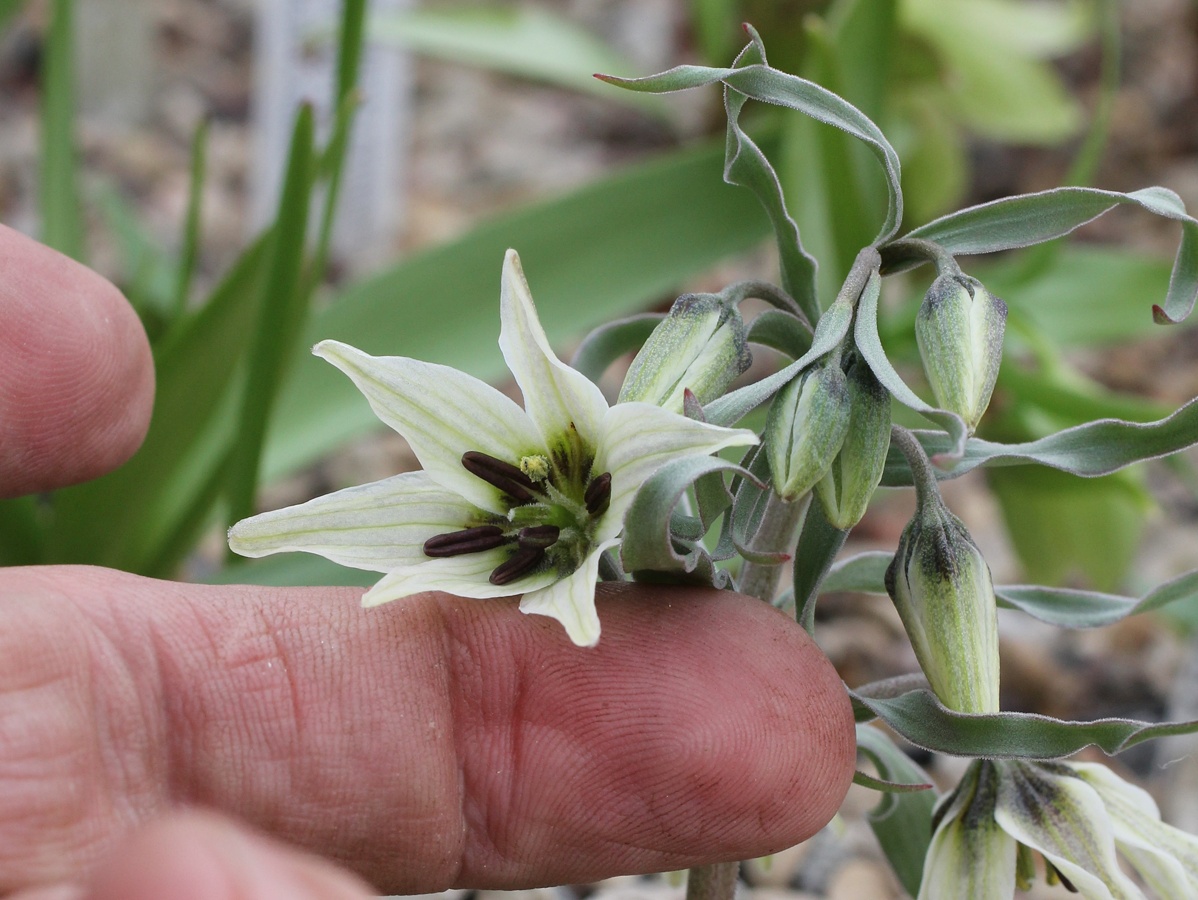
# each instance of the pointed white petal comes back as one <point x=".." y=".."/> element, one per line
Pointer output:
<point x="638" y="439"/>
<point x="571" y="601"/>
<point x="1166" y="857"/>
<point x="375" y="526"/>
<point x="970" y="856"/>
<point x="442" y="413"/>
<point x="1063" y="818"/>
<point x="556" y="396"/>
<point x="465" y="576"/>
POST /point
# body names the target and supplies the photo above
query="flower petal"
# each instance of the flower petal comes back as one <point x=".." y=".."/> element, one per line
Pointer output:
<point x="638" y="439"/>
<point x="442" y="413"/>
<point x="970" y="855"/>
<point x="1063" y="818"/>
<point x="1166" y="857"/>
<point x="465" y="576"/>
<point x="572" y="600"/>
<point x="556" y="396"/>
<point x="375" y="526"/>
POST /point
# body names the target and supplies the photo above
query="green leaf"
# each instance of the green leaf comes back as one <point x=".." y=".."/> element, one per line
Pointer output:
<point x="760" y="82"/>
<point x="780" y="331"/>
<point x="1089" y="450"/>
<point x="1028" y="219"/>
<point x="62" y="224"/>
<point x="21" y="532"/>
<point x="281" y="313"/>
<point x="747" y="166"/>
<point x="819" y="542"/>
<point x="150" y="498"/>
<point x="146" y="272"/>
<point x="190" y="248"/>
<point x="8" y="9"/>
<point x="595" y="254"/>
<point x="920" y="718"/>
<point x="647" y="549"/>
<point x="529" y="43"/>
<point x="902" y="822"/>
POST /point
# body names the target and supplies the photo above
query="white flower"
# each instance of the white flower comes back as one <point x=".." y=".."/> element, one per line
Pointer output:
<point x="1076" y="815"/>
<point x="510" y="500"/>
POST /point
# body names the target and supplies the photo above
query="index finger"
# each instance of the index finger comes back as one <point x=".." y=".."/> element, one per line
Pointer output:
<point x="76" y="379"/>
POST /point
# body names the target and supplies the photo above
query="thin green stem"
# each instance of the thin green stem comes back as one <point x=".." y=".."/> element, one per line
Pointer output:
<point x="922" y="473"/>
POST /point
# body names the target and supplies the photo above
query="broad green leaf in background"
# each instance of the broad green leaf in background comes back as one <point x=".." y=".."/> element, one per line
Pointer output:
<point x="1068" y="529"/>
<point x="605" y="250"/>
<point x="146" y="273"/>
<point x="993" y="50"/>
<point x="528" y="42"/>
<point x="190" y="248"/>
<point x="62" y="224"/>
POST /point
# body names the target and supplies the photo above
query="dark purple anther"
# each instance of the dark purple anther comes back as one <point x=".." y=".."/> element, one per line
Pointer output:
<point x="518" y="565"/>
<point x="538" y="536"/>
<point x="468" y="540"/>
<point x="500" y="474"/>
<point x="598" y="494"/>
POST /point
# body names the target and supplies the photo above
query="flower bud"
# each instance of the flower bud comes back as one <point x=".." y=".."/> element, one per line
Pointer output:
<point x="805" y="429"/>
<point x="942" y="589"/>
<point x="959" y="329"/>
<point x="701" y="346"/>
<point x="848" y="485"/>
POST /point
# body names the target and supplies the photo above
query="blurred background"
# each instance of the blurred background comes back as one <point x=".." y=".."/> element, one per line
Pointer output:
<point x="260" y="174"/>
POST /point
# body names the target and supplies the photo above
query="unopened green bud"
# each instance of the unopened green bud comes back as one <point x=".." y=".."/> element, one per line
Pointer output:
<point x="959" y="329"/>
<point x="942" y="589"/>
<point x="848" y="485"/>
<point x="700" y="346"/>
<point x="805" y="429"/>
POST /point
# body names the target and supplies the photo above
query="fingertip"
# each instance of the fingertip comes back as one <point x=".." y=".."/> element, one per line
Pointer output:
<point x="75" y="369"/>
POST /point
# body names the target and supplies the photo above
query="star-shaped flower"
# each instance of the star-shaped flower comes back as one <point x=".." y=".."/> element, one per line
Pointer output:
<point x="1076" y="815"/>
<point x="510" y="500"/>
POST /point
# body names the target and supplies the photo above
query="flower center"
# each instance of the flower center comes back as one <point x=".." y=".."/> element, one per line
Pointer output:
<point x="546" y="526"/>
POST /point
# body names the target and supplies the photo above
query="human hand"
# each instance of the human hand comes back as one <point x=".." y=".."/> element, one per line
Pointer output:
<point x="432" y="742"/>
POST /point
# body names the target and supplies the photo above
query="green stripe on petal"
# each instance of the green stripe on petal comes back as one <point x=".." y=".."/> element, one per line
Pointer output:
<point x="556" y="396"/>
<point x="1064" y="819"/>
<point x="970" y="855"/>
<point x="441" y="413"/>
<point x="465" y="576"/>
<point x="638" y="439"/>
<point x="375" y="526"/>
<point x="571" y="600"/>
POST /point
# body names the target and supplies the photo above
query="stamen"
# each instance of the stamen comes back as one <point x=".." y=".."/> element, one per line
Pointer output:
<point x="468" y="540"/>
<point x="538" y="536"/>
<point x="520" y="564"/>
<point x="500" y="474"/>
<point x="598" y="494"/>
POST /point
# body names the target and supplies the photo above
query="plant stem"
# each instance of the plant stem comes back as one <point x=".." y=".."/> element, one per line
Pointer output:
<point x="777" y="533"/>
<point x="714" y="882"/>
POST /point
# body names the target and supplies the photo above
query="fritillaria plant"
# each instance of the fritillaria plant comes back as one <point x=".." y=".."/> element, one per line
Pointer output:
<point x="543" y="500"/>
